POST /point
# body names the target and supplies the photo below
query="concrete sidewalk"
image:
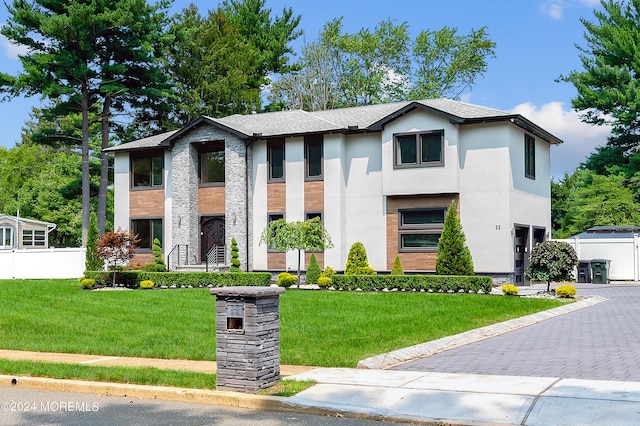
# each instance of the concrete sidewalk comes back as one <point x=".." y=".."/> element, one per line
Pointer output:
<point x="470" y="399"/>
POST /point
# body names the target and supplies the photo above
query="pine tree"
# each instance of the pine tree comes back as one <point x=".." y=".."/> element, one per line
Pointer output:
<point x="313" y="270"/>
<point x="397" y="267"/>
<point x="235" y="255"/>
<point x="93" y="261"/>
<point x="454" y="257"/>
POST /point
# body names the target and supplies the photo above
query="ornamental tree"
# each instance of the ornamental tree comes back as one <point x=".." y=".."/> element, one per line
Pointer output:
<point x="551" y="261"/>
<point x="116" y="248"/>
<point x="310" y="235"/>
<point x="235" y="255"/>
<point x="454" y="257"/>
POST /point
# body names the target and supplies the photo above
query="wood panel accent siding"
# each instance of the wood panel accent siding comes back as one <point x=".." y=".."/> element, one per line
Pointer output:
<point x="146" y="203"/>
<point x="314" y="196"/>
<point x="319" y="259"/>
<point x="143" y="258"/>
<point x="211" y="200"/>
<point x="412" y="261"/>
<point x="277" y="261"/>
<point x="276" y="197"/>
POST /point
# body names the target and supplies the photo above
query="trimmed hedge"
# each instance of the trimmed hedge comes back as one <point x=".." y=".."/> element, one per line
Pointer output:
<point x="195" y="279"/>
<point x="435" y="283"/>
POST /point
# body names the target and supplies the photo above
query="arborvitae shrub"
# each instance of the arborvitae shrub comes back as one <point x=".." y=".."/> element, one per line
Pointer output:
<point x="454" y="257"/>
<point x="397" y="267"/>
<point x="357" y="263"/>
<point x="313" y="270"/>
<point x="235" y="256"/>
<point x="93" y="261"/>
<point x="157" y="254"/>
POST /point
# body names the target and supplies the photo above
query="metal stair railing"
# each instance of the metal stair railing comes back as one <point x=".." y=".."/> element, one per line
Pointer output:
<point x="177" y="255"/>
<point x="215" y="256"/>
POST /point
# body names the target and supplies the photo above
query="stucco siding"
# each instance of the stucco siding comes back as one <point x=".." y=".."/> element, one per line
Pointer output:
<point x="122" y="181"/>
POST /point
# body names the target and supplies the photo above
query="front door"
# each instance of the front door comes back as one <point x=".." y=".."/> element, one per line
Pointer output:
<point x="212" y="234"/>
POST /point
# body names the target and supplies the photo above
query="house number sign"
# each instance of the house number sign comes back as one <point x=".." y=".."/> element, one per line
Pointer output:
<point x="235" y="309"/>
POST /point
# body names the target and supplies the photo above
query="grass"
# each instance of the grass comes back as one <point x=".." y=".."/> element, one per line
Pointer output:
<point x="320" y="328"/>
<point x="138" y="375"/>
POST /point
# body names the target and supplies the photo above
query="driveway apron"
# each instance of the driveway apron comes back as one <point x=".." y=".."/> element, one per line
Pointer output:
<point x="601" y="342"/>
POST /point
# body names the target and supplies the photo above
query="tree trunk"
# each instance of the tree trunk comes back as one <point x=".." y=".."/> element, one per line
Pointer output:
<point x="104" y="167"/>
<point x="86" y="189"/>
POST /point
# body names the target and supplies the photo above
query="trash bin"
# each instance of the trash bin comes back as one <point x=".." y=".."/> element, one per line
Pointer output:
<point x="600" y="271"/>
<point x="584" y="271"/>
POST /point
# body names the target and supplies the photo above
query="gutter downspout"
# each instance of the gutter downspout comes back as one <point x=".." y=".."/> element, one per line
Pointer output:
<point x="246" y="201"/>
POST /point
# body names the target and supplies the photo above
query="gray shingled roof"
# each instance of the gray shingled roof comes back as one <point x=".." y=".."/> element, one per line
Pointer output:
<point x="298" y="122"/>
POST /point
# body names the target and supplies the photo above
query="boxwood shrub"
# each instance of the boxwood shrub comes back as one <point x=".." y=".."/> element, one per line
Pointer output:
<point x="435" y="283"/>
<point x="195" y="279"/>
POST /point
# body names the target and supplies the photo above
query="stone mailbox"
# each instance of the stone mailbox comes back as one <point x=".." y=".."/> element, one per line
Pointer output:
<point x="248" y="337"/>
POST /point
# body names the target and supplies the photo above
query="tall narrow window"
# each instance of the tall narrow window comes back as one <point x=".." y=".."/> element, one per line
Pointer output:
<point x="424" y="149"/>
<point x="529" y="157"/>
<point x="313" y="158"/>
<point x="272" y="217"/>
<point x="212" y="164"/>
<point x="146" y="171"/>
<point x="6" y="237"/>
<point x="275" y="154"/>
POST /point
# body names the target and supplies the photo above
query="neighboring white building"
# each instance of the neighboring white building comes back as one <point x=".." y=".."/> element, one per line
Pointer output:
<point x="21" y="233"/>
<point x="382" y="174"/>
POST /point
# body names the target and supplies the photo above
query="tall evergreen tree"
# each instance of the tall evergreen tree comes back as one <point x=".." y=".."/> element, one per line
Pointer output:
<point x="91" y="58"/>
<point x="454" y="257"/>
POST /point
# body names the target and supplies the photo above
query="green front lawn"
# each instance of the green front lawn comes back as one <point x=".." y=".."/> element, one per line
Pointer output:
<point x="323" y="328"/>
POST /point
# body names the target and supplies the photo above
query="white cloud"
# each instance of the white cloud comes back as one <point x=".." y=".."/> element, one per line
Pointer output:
<point x="580" y="139"/>
<point x="553" y="8"/>
<point x="11" y="51"/>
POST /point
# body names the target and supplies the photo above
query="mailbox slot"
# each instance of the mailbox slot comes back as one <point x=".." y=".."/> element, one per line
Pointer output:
<point x="235" y="315"/>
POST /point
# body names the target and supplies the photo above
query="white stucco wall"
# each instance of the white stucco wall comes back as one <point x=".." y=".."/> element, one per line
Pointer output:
<point x="365" y="209"/>
<point x="335" y="199"/>
<point x="260" y="212"/>
<point x="294" y="176"/>
<point x="121" y="180"/>
<point x="420" y="180"/>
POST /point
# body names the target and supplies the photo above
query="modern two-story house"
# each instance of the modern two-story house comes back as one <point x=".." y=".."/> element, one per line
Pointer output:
<point x="383" y="175"/>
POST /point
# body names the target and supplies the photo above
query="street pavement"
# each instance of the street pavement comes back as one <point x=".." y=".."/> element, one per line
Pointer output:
<point x="574" y="365"/>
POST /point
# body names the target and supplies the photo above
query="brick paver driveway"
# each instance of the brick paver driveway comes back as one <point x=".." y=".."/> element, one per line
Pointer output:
<point x="601" y="342"/>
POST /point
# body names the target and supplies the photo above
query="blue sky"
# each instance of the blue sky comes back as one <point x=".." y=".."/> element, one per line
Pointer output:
<point x="536" y="43"/>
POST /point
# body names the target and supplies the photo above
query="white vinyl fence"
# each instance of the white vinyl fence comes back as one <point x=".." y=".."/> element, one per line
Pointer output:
<point x="42" y="263"/>
<point x="622" y="252"/>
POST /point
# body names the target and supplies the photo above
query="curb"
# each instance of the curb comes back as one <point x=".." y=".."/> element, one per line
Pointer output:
<point x="400" y="356"/>
<point x="166" y="393"/>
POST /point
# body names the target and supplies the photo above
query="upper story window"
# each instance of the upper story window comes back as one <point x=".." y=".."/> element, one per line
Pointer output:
<point x="275" y="159"/>
<point x="34" y="237"/>
<point x="212" y="163"/>
<point x="529" y="157"/>
<point x="422" y="149"/>
<point x="420" y="229"/>
<point x="147" y="170"/>
<point x="313" y="156"/>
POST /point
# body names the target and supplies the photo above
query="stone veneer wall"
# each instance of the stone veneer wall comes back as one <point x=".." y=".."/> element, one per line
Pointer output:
<point x="186" y="221"/>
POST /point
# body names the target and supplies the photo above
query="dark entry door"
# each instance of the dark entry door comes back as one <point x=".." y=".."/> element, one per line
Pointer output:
<point x="521" y="255"/>
<point x="212" y="234"/>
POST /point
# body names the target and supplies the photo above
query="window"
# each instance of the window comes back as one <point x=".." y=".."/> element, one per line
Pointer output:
<point x="529" y="157"/>
<point x="313" y="159"/>
<point x="312" y="215"/>
<point x="272" y="217"/>
<point x="34" y="237"/>
<point x="146" y="171"/>
<point x="275" y="154"/>
<point x="420" y="229"/>
<point x="419" y="149"/>
<point x="212" y="164"/>
<point x="6" y="237"/>
<point x="147" y="230"/>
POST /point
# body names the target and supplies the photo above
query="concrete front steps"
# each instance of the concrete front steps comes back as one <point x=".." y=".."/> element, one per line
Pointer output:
<point x="202" y="268"/>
